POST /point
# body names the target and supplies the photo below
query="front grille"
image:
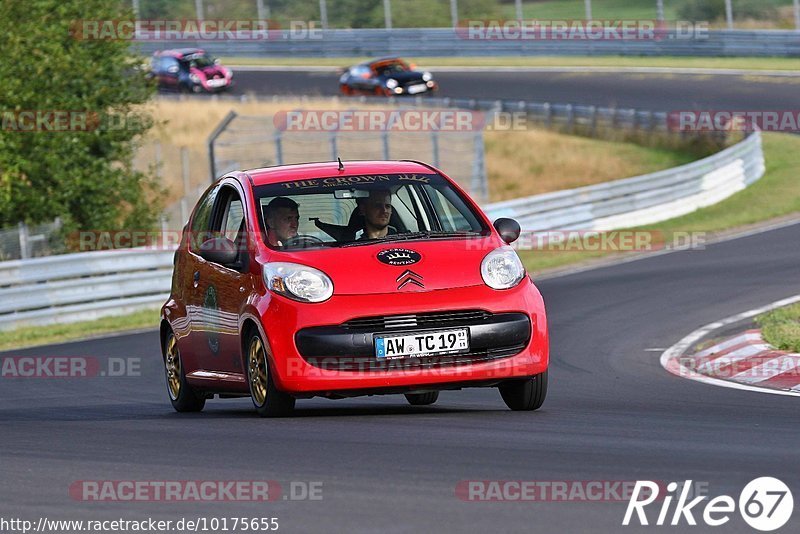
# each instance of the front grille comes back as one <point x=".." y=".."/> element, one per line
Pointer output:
<point x="430" y="362"/>
<point x="420" y="320"/>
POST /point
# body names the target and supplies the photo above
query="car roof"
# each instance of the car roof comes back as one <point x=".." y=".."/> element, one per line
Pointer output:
<point x="382" y="60"/>
<point x="179" y="52"/>
<point x="307" y="171"/>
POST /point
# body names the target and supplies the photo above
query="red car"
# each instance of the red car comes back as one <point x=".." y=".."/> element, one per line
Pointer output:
<point x="340" y="280"/>
<point x="189" y="70"/>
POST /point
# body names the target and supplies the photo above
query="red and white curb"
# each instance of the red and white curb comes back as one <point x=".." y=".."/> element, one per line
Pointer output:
<point x="744" y="362"/>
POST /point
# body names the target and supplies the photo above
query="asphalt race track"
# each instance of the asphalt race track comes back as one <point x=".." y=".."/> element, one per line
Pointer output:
<point x="613" y="414"/>
<point x="647" y="91"/>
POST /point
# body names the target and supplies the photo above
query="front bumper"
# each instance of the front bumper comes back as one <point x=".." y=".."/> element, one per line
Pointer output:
<point x="322" y="349"/>
<point x="351" y="347"/>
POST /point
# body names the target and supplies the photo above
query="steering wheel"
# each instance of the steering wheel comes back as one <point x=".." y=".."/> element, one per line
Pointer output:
<point x="302" y="241"/>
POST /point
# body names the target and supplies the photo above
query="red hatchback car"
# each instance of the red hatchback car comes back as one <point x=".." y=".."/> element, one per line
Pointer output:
<point x="340" y="280"/>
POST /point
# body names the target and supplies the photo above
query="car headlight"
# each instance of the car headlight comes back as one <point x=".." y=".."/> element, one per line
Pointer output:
<point x="194" y="77"/>
<point x="298" y="282"/>
<point x="502" y="268"/>
<point x="391" y="83"/>
<point x="427" y="76"/>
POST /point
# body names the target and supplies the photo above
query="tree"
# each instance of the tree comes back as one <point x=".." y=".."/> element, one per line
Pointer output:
<point x="84" y="177"/>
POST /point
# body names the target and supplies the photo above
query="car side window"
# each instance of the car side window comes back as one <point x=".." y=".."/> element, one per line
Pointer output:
<point x="201" y="219"/>
<point x="232" y="219"/>
<point x="228" y="220"/>
<point x="450" y="217"/>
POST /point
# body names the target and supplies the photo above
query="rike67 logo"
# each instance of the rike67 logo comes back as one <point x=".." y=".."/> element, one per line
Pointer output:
<point x="765" y="504"/>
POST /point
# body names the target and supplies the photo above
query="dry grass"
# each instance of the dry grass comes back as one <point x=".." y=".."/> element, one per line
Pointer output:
<point x="519" y="163"/>
<point x="539" y="161"/>
<point x="188" y="123"/>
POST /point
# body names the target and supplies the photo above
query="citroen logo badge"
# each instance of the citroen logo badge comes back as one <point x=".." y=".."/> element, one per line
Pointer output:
<point x="409" y="277"/>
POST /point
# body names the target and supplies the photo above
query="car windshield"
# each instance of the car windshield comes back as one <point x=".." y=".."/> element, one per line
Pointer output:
<point x="199" y="61"/>
<point x="346" y="211"/>
<point x="390" y="67"/>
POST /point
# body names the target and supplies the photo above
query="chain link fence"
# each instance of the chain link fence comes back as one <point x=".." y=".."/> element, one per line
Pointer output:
<point x="25" y="242"/>
<point x="247" y="142"/>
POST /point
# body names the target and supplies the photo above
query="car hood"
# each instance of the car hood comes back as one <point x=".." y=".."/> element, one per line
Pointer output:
<point x="440" y="264"/>
<point x="212" y="71"/>
<point x="405" y="77"/>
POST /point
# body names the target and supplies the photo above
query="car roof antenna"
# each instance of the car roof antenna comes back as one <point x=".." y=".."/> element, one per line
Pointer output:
<point x="341" y="165"/>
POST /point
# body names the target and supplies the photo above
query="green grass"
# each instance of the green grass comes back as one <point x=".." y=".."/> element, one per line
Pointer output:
<point x="46" y="335"/>
<point x="781" y="328"/>
<point x="775" y="195"/>
<point x="788" y="64"/>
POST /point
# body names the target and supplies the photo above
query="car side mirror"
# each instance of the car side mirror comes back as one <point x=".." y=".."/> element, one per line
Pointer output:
<point x="508" y="229"/>
<point x="219" y="250"/>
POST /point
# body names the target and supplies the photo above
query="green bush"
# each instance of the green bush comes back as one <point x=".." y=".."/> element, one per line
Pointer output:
<point x="84" y="177"/>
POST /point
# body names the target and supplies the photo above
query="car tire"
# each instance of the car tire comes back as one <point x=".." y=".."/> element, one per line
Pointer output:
<point x="268" y="400"/>
<point x="422" y="399"/>
<point x="181" y="395"/>
<point x="526" y="394"/>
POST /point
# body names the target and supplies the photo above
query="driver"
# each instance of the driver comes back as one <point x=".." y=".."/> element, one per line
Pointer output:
<point x="377" y="212"/>
<point x="283" y="217"/>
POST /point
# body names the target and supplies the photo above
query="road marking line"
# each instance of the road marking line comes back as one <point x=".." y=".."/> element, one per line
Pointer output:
<point x="670" y="359"/>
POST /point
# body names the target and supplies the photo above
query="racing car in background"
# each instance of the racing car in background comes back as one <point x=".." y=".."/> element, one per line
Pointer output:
<point x="388" y="76"/>
<point x="189" y="70"/>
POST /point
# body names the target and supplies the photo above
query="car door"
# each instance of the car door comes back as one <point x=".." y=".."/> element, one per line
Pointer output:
<point x="168" y="73"/>
<point x="193" y="270"/>
<point x="224" y="289"/>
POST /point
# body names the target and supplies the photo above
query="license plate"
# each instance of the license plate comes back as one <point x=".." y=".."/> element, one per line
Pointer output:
<point x="216" y="82"/>
<point x="424" y="344"/>
<point x="414" y="89"/>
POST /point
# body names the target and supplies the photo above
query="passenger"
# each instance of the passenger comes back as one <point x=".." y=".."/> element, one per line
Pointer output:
<point x="282" y="216"/>
<point x="377" y="212"/>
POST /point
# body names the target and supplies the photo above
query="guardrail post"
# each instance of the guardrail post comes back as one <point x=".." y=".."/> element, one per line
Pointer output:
<point x="23" y="241"/>
<point x="186" y="185"/>
<point x="570" y="119"/>
<point x="221" y="127"/>
<point x="435" y="147"/>
<point x="593" y="121"/>
<point x="548" y="115"/>
<point x="478" y="186"/>
<point x="278" y="148"/>
<point x="385" y="139"/>
<point x="334" y="149"/>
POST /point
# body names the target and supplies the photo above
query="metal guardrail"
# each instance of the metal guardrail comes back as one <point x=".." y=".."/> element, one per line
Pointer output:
<point x="82" y="286"/>
<point x="444" y="42"/>
<point x="643" y="199"/>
